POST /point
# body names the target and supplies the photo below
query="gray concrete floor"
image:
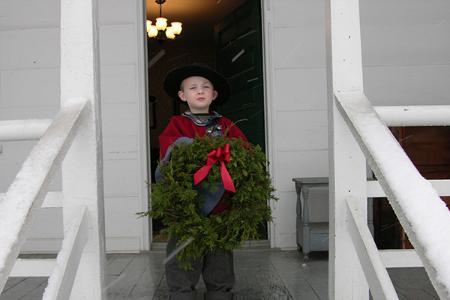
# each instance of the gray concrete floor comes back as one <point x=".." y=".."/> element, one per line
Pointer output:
<point x="260" y="274"/>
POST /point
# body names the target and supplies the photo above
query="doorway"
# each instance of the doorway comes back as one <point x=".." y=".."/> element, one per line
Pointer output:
<point x="226" y="35"/>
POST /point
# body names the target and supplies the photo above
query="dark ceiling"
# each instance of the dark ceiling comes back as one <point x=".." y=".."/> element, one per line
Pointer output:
<point x="193" y="12"/>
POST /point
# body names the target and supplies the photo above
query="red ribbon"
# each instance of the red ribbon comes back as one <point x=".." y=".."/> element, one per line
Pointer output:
<point x="223" y="156"/>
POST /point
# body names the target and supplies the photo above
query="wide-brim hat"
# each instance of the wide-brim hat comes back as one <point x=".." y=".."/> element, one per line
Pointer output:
<point x="176" y="76"/>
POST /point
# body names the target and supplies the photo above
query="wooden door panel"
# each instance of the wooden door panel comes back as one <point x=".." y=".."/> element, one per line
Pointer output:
<point x="239" y="59"/>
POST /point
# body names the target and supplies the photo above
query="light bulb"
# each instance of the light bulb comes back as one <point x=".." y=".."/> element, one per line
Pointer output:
<point x="176" y="27"/>
<point x="161" y="23"/>
<point x="153" y="31"/>
<point x="148" y="25"/>
<point x="169" y="33"/>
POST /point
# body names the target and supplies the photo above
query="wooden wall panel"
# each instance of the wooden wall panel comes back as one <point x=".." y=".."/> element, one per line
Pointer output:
<point x="406" y="59"/>
<point x="29" y="88"/>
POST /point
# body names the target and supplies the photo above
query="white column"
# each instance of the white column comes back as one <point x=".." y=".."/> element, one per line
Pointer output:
<point x="347" y="163"/>
<point x="82" y="170"/>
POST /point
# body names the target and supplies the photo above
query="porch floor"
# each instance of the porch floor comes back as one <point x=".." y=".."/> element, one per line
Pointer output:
<point x="260" y="274"/>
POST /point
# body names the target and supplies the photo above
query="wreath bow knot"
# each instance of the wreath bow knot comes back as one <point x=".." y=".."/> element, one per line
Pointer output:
<point x="223" y="156"/>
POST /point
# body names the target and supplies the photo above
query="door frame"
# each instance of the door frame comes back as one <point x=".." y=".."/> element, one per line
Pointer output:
<point x="269" y="105"/>
<point x="268" y="70"/>
<point x="143" y="122"/>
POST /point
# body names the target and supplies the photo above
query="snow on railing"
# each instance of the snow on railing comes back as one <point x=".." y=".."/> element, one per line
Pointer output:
<point x="22" y="130"/>
<point x="61" y="280"/>
<point x="421" y="212"/>
<point x="30" y="186"/>
<point x="423" y="115"/>
<point x="376" y="274"/>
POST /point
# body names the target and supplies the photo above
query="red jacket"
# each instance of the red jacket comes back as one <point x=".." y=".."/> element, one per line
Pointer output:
<point x="180" y="126"/>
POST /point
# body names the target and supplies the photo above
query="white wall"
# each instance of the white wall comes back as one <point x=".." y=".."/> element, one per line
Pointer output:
<point x="406" y="51"/>
<point x="406" y="58"/>
<point x="29" y="88"/>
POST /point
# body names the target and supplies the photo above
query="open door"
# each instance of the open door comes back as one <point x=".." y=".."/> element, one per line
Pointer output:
<point x="238" y="42"/>
<point x="225" y="35"/>
<point x="239" y="58"/>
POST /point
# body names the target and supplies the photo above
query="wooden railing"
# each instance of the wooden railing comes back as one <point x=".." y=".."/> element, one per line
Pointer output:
<point x="73" y="142"/>
<point x="27" y="192"/>
<point x="420" y="210"/>
<point x="358" y="136"/>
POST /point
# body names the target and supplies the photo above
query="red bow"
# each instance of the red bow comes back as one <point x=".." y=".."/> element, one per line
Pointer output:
<point x="217" y="155"/>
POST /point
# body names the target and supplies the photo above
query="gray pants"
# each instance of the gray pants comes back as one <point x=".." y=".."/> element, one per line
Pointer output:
<point x="218" y="274"/>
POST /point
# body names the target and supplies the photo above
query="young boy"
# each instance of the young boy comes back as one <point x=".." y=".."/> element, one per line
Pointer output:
<point x="199" y="87"/>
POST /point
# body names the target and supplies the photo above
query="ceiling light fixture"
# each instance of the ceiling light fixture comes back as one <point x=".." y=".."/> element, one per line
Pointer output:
<point x="160" y="30"/>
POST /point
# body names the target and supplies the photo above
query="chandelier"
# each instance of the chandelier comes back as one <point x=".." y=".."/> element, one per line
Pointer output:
<point x="160" y="30"/>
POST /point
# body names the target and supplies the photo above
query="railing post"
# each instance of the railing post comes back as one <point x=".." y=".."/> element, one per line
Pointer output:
<point x="82" y="170"/>
<point x="347" y="163"/>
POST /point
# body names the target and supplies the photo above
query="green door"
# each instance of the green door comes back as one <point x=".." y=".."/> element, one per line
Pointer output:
<point x="239" y="58"/>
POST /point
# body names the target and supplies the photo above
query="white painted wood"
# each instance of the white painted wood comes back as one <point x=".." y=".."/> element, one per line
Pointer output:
<point x="407" y="85"/>
<point x="381" y="286"/>
<point x="414" y="41"/>
<point x="51" y="200"/>
<point x="309" y="130"/>
<point x="357" y="108"/>
<point x="33" y="267"/>
<point x="125" y="236"/>
<point x="82" y="170"/>
<point x="29" y="87"/>
<point x="29" y="81"/>
<point x="15" y="48"/>
<point x="387" y="26"/>
<point x="400" y="258"/>
<point x="19" y="130"/>
<point x="36" y="14"/>
<point x="309" y="13"/>
<point x="294" y="164"/>
<point x="62" y="278"/>
<point x="118" y="84"/>
<point x="429" y="115"/>
<point x="347" y="164"/>
<point x="120" y="178"/>
<point x="16" y="113"/>
<point x="310" y="82"/>
<point x="300" y="47"/>
<point x="30" y="186"/>
<point x="123" y="89"/>
<point x="285" y="220"/>
<point x="120" y="119"/>
<point x="442" y="187"/>
<point x="269" y="103"/>
<point x="430" y="12"/>
<point x="118" y="44"/>
<point x="116" y="11"/>
<point x="46" y="245"/>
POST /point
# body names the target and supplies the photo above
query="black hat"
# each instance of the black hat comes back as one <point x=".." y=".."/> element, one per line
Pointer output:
<point x="175" y="77"/>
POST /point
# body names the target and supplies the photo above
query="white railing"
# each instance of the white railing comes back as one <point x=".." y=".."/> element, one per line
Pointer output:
<point x="26" y="195"/>
<point x="357" y="136"/>
<point x="73" y="142"/>
<point x="22" y="130"/>
<point x="422" y="213"/>
<point x="28" y="190"/>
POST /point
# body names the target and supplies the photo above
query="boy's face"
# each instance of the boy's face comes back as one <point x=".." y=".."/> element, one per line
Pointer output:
<point x="198" y="92"/>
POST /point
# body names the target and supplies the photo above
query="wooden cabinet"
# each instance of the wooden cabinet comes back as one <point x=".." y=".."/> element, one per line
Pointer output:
<point x="429" y="150"/>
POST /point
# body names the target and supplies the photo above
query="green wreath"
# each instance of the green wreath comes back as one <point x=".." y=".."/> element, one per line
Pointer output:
<point x="175" y="201"/>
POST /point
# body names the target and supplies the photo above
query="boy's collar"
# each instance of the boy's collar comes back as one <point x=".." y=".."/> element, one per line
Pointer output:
<point x="202" y="120"/>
